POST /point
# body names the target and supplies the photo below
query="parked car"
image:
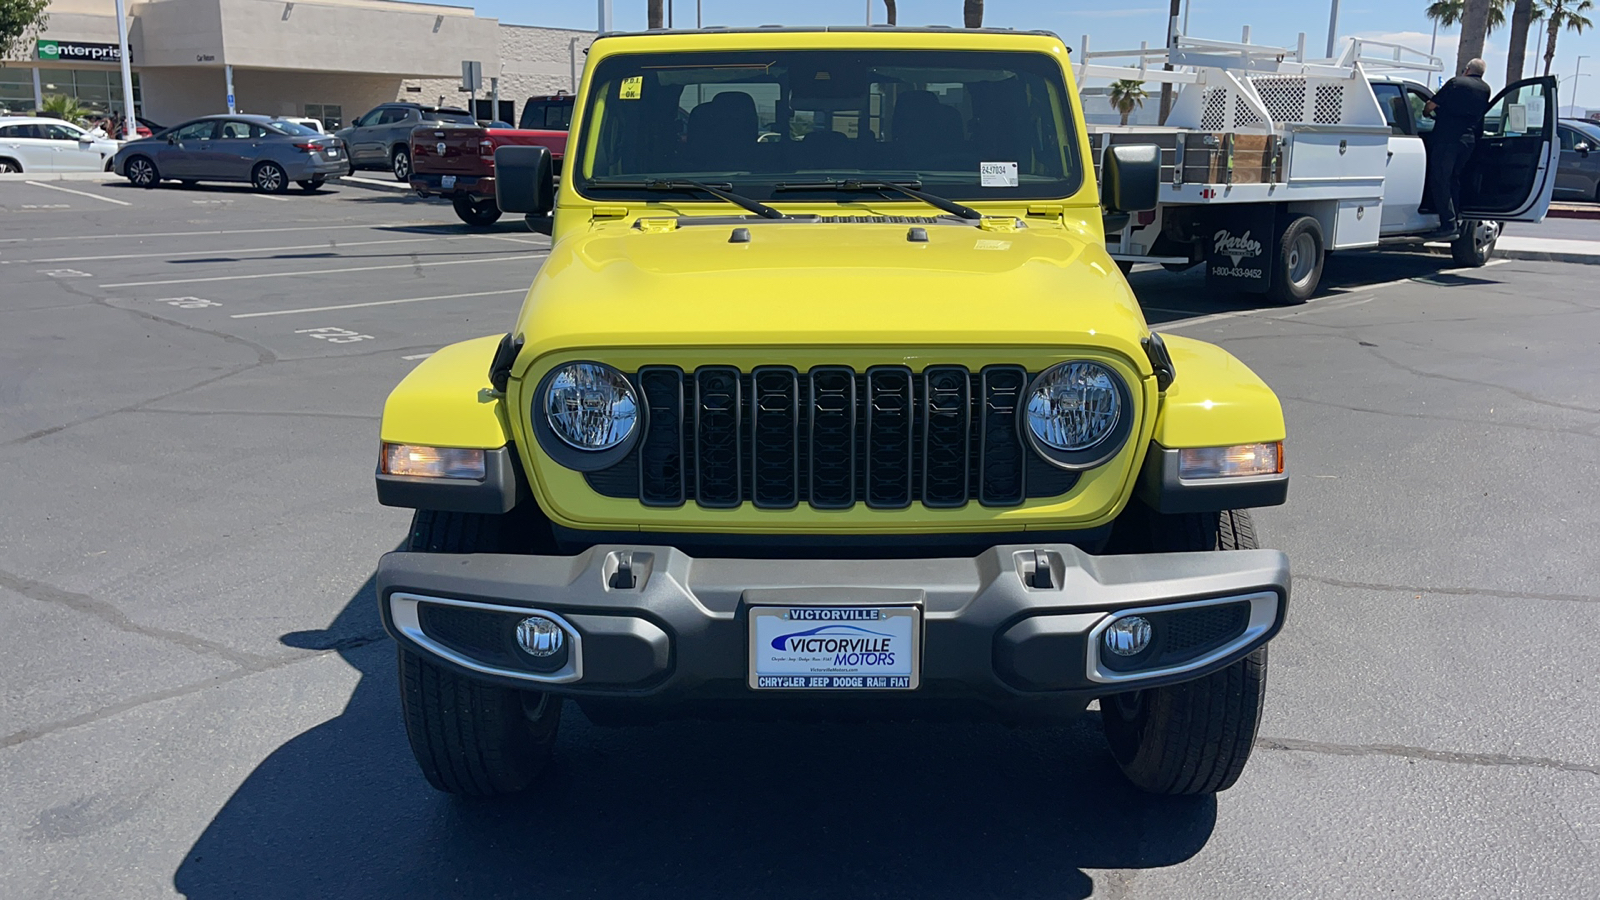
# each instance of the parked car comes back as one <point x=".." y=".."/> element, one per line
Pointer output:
<point x="381" y="139"/>
<point x="268" y="153"/>
<point x="905" y="458"/>
<point x="305" y="121"/>
<point x="32" y="144"/>
<point x="1578" y="177"/>
<point x="552" y="112"/>
<point x="458" y="163"/>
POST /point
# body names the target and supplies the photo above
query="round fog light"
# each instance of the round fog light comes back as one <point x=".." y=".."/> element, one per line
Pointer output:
<point x="538" y="636"/>
<point x="1128" y="636"/>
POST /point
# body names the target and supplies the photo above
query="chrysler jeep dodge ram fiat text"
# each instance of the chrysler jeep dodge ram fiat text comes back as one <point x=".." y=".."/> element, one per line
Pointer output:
<point x="829" y="400"/>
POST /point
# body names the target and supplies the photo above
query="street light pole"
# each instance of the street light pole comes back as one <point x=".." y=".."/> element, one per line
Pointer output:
<point x="1577" y="68"/>
<point x="130" y="124"/>
<point x="1333" y="27"/>
<point x="605" y="16"/>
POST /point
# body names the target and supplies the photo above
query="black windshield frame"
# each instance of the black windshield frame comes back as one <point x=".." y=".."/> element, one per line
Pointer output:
<point x="1016" y="100"/>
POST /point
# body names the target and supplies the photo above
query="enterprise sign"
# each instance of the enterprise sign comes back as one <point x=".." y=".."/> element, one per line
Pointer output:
<point x="78" y="51"/>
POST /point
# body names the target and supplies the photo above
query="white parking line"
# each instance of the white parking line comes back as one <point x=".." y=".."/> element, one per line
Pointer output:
<point x="313" y="272"/>
<point x="146" y="255"/>
<point x="270" y="197"/>
<point x="417" y="356"/>
<point x="150" y="234"/>
<point x="317" y="309"/>
<point x="79" y="193"/>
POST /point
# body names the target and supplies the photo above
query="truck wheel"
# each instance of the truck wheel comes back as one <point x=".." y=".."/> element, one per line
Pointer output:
<point x="471" y="737"/>
<point x="476" y="213"/>
<point x="1476" y="244"/>
<point x="1298" y="265"/>
<point x="400" y="163"/>
<point x="1194" y="737"/>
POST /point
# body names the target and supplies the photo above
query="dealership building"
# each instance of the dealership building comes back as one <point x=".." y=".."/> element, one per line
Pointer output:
<point x="328" y="59"/>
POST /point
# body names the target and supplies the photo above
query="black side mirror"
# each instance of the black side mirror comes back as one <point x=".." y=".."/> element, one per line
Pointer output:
<point x="524" y="180"/>
<point x="172" y="139"/>
<point x="1130" y="178"/>
<point x="1582" y="147"/>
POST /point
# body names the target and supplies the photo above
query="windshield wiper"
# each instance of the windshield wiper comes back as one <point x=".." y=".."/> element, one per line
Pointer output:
<point x="909" y="188"/>
<point x="723" y="191"/>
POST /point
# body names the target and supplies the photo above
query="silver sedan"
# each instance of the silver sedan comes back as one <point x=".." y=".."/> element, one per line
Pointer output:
<point x="265" y="152"/>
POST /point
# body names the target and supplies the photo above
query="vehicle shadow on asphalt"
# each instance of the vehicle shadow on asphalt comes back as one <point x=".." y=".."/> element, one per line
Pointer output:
<point x="1173" y="296"/>
<point x="684" y="810"/>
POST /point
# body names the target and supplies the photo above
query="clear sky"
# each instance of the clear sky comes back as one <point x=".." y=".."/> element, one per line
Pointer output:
<point x="1110" y="26"/>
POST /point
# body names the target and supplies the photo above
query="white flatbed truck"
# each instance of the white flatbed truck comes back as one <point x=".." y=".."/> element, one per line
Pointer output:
<point x="1270" y="161"/>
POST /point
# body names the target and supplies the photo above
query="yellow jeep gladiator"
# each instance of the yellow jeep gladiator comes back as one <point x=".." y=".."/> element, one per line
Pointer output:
<point x="828" y="402"/>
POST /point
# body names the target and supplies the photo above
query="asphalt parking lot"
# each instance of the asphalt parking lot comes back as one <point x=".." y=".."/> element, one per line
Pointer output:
<point x="198" y="699"/>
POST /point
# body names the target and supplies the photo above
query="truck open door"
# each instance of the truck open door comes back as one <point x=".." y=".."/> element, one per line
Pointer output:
<point x="1512" y="171"/>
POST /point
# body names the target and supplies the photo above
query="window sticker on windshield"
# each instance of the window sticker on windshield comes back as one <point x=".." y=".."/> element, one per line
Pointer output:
<point x="631" y="88"/>
<point x="1516" y="119"/>
<point x="998" y="174"/>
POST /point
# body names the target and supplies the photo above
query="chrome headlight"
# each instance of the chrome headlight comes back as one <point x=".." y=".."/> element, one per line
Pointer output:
<point x="1077" y="414"/>
<point x="590" y="406"/>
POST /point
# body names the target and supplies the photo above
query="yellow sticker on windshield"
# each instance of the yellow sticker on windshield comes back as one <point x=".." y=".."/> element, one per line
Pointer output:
<point x="631" y="88"/>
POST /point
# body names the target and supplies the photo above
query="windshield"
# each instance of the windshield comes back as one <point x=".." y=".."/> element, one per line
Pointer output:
<point x="966" y="125"/>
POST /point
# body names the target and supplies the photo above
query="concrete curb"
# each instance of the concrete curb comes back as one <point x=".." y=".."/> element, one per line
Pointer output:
<point x="373" y="184"/>
<point x="59" y="176"/>
<point x="1574" y="211"/>
<point x="1586" y="259"/>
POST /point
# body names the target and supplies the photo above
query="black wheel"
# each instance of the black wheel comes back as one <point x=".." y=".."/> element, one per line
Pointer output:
<point x="1298" y="267"/>
<point x="1476" y="244"/>
<point x="269" y="178"/>
<point x="400" y="162"/>
<point x="141" y="172"/>
<point x="311" y="184"/>
<point x="470" y="737"/>
<point x="476" y="213"/>
<point x="1194" y="737"/>
<point x="8" y="166"/>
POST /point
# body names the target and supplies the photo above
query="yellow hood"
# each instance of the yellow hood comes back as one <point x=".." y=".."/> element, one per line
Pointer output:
<point x="806" y="284"/>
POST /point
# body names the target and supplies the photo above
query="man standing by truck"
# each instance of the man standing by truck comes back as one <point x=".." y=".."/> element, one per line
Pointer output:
<point x="1457" y="109"/>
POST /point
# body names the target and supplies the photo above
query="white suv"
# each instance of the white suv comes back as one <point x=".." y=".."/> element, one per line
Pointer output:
<point x="30" y="144"/>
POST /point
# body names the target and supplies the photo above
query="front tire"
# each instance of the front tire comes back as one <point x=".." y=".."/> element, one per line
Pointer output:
<point x="476" y="213"/>
<point x="141" y="172"/>
<point x="471" y="737"/>
<point x="269" y="178"/>
<point x="9" y="166"/>
<point x="1297" y="269"/>
<point x="1194" y="737"/>
<point x="1475" y="246"/>
<point x="400" y="163"/>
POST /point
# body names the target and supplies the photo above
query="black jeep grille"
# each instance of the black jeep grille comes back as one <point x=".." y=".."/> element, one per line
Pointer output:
<point x="832" y="437"/>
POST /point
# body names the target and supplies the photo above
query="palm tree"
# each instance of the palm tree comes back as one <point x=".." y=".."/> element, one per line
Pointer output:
<point x="889" y="6"/>
<point x="655" y="14"/>
<point x="1522" y="16"/>
<point x="1563" y="14"/>
<point x="1449" y="12"/>
<point x="972" y="13"/>
<point x="60" y="106"/>
<point x="1127" y="95"/>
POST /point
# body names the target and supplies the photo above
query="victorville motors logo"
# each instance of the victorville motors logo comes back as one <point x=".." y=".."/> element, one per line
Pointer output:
<point x="1235" y="248"/>
<point x="849" y="645"/>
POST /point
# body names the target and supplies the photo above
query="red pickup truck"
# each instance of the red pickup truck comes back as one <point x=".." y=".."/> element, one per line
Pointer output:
<point x="459" y="163"/>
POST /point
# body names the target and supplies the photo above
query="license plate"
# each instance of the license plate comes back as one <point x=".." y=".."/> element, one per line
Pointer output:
<point x="835" y="647"/>
<point x="332" y="152"/>
<point x="447" y="182"/>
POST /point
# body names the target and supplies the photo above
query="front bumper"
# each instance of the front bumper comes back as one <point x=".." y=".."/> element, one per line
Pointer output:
<point x="1012" y="623"/>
